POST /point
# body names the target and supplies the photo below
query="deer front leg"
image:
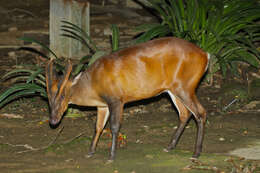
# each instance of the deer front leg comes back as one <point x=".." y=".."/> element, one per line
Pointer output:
<point x="102" y="117"/>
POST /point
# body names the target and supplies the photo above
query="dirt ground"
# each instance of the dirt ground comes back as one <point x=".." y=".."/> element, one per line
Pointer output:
<point x="28" y="144"/>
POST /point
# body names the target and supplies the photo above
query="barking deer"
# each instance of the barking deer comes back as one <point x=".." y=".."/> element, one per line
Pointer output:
<point x="142" y="71"/>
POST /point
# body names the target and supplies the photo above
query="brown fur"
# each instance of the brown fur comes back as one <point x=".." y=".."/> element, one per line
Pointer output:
<point x="163" y="65"/>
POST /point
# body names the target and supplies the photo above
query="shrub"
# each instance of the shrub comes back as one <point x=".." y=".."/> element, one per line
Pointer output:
<point x="32" y="81"/>
<point x="227" y="29"/>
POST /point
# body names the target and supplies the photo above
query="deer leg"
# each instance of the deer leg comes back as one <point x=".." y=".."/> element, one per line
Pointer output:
<point x="116" y="110"/>
<point x="184" y="116"/>
<point x="193" y="105"/>
<point x="102" y="117"/>
<point x="199" y="140"/>
<point x="201" y="120"/>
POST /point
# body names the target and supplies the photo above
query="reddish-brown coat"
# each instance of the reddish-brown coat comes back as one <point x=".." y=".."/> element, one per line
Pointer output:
<point x="163" y="65"/>
<point x="142" y="71"/>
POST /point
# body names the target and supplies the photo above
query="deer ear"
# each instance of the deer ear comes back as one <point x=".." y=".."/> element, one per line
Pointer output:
<point x="51" y="78"/>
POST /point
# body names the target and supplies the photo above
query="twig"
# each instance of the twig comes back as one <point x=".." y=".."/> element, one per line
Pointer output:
<point x="30" y="148"/>
<point x="202" y="166"/>
<point x="233" y="101"/>
<point x="20" y="145"/>
<point x="45" y="147"/>
<point x="16" y="116"/>
<point x="76" y="137"/>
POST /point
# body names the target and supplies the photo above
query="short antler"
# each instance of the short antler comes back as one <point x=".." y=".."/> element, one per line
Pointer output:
<point x="51" y="79"/>
<point x="66" y="76"/>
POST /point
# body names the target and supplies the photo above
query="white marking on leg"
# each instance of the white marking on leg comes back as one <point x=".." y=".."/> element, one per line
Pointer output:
<point x="173" y="98"/>
<point x="106" y="117"/>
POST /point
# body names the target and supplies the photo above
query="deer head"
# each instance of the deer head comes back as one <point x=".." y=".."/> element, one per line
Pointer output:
<point x="58" y="90"/>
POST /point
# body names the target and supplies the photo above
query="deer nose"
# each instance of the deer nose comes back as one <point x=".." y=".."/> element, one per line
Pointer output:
<point x="53" y="121"/>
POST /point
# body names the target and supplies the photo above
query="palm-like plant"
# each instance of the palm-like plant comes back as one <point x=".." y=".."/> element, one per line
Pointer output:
<point x="27" y="82"/>
<point x="31" y="81"/>
<point x="224" y="28"/>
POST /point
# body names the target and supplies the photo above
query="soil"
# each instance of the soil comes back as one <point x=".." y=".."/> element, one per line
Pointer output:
<point x="29" y="144"/>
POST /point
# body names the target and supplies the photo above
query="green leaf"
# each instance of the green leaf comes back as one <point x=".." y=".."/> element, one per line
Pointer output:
<point x="115" y="38"/>
<point x="37" y="42"/>
<point x="25" y="74"/>
<point x="153" y="32"/>
<point x="15" y="71"/>
<point x="145" y="27"/>
<point x="96" y="56"/>
<point x="21" y="90"/>
<point x="81" y="65"/>
<point x="156" y="6"/>
<point x="34" y="75"/>
<point x="227" y="29"/>
<point x="248" y="58"/>
<point x="82" y="35"/>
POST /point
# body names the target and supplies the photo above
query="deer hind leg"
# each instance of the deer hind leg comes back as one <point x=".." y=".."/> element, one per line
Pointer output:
<point x="102" y="117"/>
<point x="193" y="105"/>
<point x="201" y="120"/>
<point x="116" y="111"/>
<point x="184" y="116"/>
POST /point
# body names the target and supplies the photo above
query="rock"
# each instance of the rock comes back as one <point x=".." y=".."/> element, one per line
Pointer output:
<point x="107" y="31"/>
<point x="97" y="30"/>
<point x="138" y="141"/>
<point x="250" y="152"/>
<point x="252" y="105"/>
<point x="212" y="113"/>
<point x="12" y="29"/>
<point x="221" y="139"/>
<point x="11" y="54"/>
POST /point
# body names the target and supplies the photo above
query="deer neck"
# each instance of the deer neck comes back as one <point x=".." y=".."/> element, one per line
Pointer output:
<point x="82" y="93"/>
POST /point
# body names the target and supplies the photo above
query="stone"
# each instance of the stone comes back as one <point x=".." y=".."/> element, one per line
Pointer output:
<point x="12" y="29"/>
<point x="11" y="54"/>
<point x="107" y="31"/>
